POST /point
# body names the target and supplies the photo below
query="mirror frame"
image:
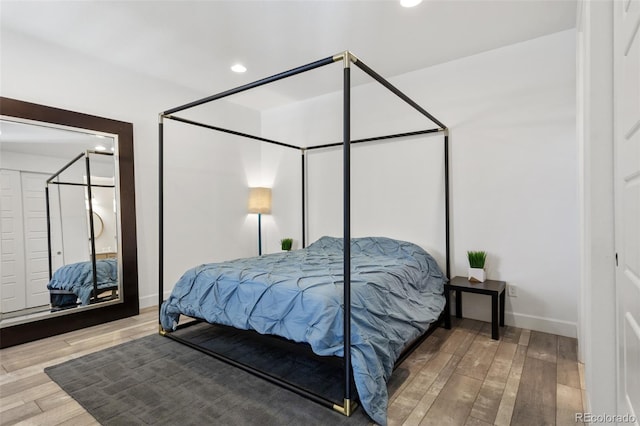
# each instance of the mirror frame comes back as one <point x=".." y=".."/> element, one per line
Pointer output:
<point x="129" y="306"/>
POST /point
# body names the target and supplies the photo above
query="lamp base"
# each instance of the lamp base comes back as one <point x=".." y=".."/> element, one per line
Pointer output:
<point x="259" y="234"/>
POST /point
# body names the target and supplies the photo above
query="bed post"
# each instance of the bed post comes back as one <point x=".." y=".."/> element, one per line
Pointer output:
<point x="346" y="130"/>
<point x="91" y="233"/>
<point x="46" y="197"/>
<point x="447" y="308"/>
<point x="304" y="200"/>
<point x="446" y="202"/>
<point x="160" y="218"/>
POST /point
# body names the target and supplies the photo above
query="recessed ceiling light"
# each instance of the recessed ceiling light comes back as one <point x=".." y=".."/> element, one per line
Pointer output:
<point x="410" y="3"/>
<point x="100" y="148"/>
<point x="239" y="68"/>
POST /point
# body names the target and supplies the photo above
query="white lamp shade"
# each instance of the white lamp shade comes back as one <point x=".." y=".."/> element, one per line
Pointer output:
<point x="260" y="200"/>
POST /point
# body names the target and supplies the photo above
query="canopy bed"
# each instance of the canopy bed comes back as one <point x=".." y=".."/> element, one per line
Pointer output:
<point x="81" y="282"/>
<point x="369" y="301"/>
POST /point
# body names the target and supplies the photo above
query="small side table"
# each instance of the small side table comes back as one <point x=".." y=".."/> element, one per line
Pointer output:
<point x="493" y="288"/>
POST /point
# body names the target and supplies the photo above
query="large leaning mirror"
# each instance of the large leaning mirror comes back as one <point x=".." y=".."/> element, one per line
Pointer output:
<point x="67" y="221"/>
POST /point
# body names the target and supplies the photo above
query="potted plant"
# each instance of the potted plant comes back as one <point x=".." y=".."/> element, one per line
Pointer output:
<point x="476" y="265"/>
<point x="286" y="244"/>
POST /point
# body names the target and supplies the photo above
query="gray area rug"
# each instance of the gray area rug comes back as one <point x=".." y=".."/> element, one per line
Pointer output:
<point x="155" y="380"/>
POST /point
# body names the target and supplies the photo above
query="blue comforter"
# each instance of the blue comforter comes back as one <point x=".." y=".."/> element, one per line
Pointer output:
<point x="396" y="292"/>
<point x="78" y="278"/>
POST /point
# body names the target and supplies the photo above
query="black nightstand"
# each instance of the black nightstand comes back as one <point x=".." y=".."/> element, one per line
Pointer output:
<point x="493" y="288"/>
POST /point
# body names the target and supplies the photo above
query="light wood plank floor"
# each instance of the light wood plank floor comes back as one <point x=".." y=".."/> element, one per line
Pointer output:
<point x="457" y="377"/>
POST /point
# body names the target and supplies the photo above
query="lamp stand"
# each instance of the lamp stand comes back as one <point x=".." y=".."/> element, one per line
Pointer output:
<point x="259" y="234"/>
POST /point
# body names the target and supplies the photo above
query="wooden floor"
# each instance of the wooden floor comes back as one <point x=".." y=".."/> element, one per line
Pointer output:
<point x="457" y="377"/>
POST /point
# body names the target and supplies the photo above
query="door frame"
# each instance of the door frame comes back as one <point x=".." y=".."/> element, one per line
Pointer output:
<point x="597" y="298"/>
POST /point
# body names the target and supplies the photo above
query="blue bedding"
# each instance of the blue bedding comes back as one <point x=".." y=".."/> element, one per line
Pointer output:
<point x="396" y="293"/>
<point x="78" y="278"/>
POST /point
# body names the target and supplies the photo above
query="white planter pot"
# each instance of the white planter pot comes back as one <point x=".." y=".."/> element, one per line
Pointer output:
<point x="477" y="275"/>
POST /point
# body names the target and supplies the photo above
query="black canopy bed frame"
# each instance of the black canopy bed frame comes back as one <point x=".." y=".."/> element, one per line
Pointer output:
<point x="55" y="180"/>
<point x="348" y="59"/>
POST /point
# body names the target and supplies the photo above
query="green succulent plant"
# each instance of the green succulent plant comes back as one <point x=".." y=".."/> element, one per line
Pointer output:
<point x="286" y="243"/>
<point x="477" y="259"/>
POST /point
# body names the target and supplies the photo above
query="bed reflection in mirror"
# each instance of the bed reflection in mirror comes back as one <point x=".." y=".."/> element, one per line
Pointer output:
<point x="59" y="224"/>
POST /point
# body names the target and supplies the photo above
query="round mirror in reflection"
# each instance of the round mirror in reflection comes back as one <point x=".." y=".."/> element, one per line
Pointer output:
<point x="98" y="225"/>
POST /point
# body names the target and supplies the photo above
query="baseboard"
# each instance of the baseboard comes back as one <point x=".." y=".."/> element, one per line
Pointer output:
<point x="546" y="325"/>
<point x="152" y="300"/>
<point x="530" y="322"/>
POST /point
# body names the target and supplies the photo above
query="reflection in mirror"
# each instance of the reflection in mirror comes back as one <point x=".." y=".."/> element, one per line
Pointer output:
<point x="98" y="225"/>
<point x="41" y="162"/>
<point x="60" y="221"/>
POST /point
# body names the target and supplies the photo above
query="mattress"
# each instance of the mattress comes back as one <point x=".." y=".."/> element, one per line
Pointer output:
<point x="396" y="293"/>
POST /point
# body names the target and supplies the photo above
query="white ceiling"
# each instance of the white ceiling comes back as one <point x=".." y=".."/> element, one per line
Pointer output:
<point x="49" y="141"/>
<point x="193" y="43"/>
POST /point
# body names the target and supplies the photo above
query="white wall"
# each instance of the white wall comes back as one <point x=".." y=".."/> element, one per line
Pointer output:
<point x="511" y="112"/>
<point x="36" y="71"/>
<point x="206" y="193"/>
<point x="397" y="188"/>
<point x="74" y="239"/>
<point x="281" y="169"/>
